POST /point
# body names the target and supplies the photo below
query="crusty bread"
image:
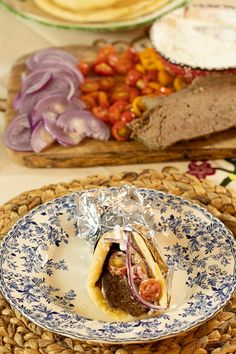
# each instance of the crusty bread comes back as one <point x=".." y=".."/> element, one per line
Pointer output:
<point x="205" y="107"/>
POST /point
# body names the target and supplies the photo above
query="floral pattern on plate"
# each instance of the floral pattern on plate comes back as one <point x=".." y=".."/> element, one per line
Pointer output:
<point x="40" y="258"/>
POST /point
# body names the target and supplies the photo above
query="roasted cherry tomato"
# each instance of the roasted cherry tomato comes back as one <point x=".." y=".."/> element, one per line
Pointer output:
<point x="130" y="54"/>
<point x="134" y="92"/>
<point x="151" y="75"/>
<point x="84" y="67"/>
<point x="101" y="113"/>
<point x="89" y="86"/>
<point x="121" y="95"/>
<point x="106" y="83"/>
<point x="120" y="131"/>
<point x="132" y="77"/>
<point x="123" y="66"/>
<point x="121" y="92"/>
<point x="104" y="52"/>
<point x="89" y="101"/>
<point x="112" y="59"/>
<point x="150" y="290"/>
<point x="147" y="91"/>
<point x="127" y="116"/>
<point x="103" y="69"/>
<point x="117" y="263"/>
<point x="115" y="111"/>
<point x="140" y="272"/>
<point x="103" y="99"/>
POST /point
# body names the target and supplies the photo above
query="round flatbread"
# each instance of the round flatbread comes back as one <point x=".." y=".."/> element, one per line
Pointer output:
<point x="84" y="5"/>
<point x="95" y="272"/>
<point x="121" y="11"/>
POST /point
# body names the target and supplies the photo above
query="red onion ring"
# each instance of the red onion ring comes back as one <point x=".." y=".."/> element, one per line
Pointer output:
<point x="17" y="134"/>
<point x="35" y="82"/>
<point x="40" y="138"/>
<point x="54" y="104"/>
<point x="62" y="68"/>
<point x="73" y="121"/>
<point x="65" y="136"/>
<point x="34" y="60"/>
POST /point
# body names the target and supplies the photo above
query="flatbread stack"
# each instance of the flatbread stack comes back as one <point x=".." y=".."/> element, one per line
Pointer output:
<point x="94" y="11"/>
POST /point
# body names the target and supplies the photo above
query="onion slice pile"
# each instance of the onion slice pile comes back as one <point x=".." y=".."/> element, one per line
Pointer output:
<point x="132" y="285"/>
<point x="48" y="107"/>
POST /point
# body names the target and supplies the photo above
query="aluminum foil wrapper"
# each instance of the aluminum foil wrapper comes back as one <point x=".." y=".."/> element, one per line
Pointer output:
<point x="120" y="209"/>
<point x="101" y="210"/>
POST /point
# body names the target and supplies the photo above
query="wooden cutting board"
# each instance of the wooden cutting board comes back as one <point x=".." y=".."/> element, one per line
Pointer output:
<point x="97" y="153"/>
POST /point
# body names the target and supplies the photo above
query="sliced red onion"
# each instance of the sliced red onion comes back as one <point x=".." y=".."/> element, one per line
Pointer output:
<point x="79" y="103"/>
<point x="62" y="68"/>
<point x="59" y="79"/>
<point x="72" y="89"/>
<point x="64" y="137"/>
<point x="34" y="60"/>
<point x="35" y="82"/>
<point x="17" y="134"/>
<point x="29" y="101"/>
<point x="40" y="138"/>
<point x="62" y="63"/>
<point x="52" y="105"/>
<point x="63" y="87"/>
<point x="84" y="121"/>
<point x="98" y="129"/>
<point x="133" y="288"/>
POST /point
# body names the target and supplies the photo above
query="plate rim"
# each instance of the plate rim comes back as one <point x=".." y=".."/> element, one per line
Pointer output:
<point x="73" y="335"/>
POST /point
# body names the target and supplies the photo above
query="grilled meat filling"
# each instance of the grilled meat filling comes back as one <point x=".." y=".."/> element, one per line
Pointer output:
<point x="118" y="294"/>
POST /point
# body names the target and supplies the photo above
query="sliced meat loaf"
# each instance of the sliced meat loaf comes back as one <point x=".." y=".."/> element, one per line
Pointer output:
<point x="205" y="107"/>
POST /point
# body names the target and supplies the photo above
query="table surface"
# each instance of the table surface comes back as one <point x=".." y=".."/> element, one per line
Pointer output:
<point x="19" y="37"/>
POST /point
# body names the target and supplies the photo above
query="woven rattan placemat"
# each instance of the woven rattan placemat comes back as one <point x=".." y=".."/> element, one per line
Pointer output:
<point x="19" y="336"/>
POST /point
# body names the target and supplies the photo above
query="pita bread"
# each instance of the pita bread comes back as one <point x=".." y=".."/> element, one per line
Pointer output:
<point x="84" y="5"/>
<point x="122" y="11"/>
<point x="99" y="257"/>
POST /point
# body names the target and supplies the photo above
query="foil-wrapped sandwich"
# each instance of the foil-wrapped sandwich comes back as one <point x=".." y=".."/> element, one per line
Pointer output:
<point x="125" y="278"/>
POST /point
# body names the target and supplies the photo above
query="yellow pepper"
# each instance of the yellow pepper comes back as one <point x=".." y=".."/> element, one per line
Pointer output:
<point x="165" y="78"/>
<point x="160" y="65"/>
<point x="154" y="85"/>
<point x="178" y="83"/>
<point x="148" y="59"/>
<point x="137" y="106"/>
<point x="140" y="68"/>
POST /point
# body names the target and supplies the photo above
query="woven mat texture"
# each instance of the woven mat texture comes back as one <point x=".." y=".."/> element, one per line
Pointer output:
<point x="19" y="336"/>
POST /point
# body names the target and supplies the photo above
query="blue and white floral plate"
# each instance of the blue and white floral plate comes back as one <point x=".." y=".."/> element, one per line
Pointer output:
<point x="44" y="266"/>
